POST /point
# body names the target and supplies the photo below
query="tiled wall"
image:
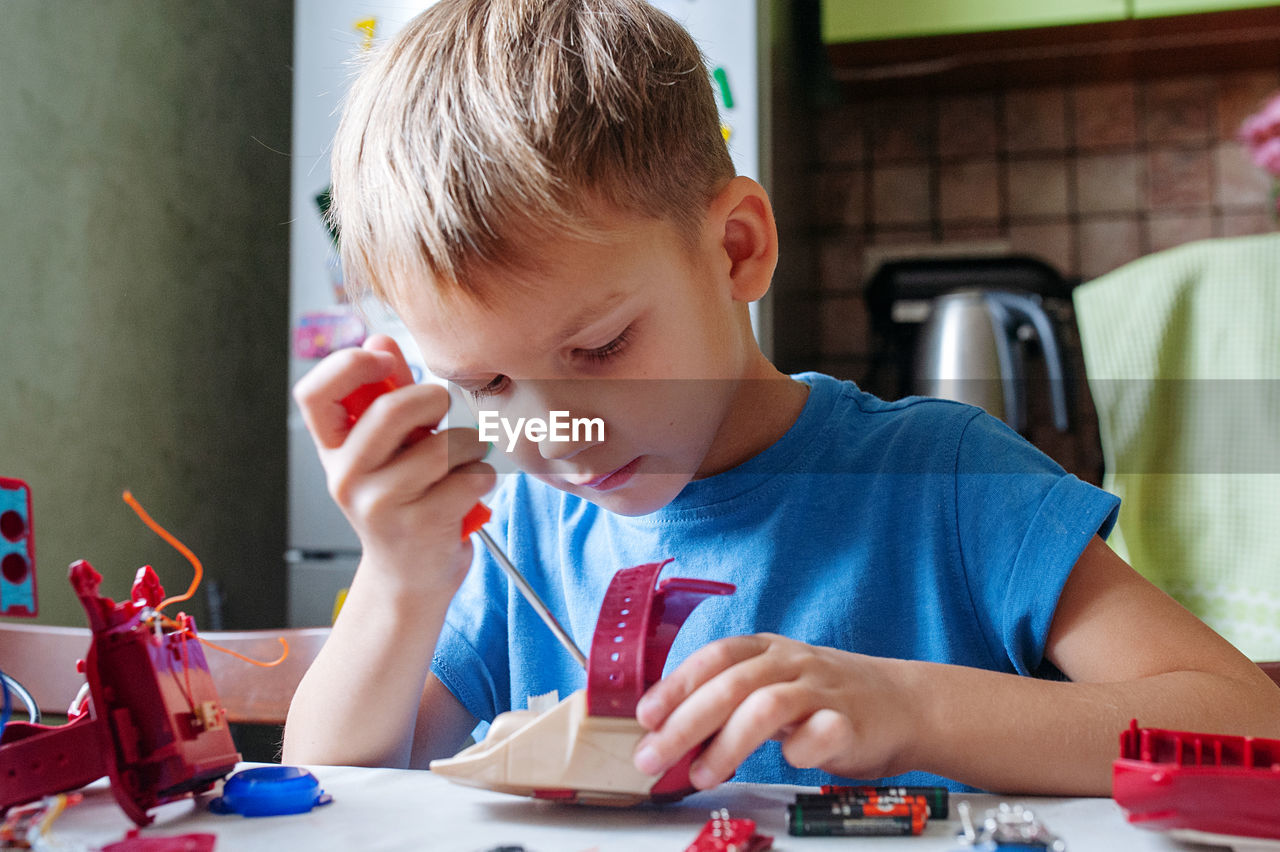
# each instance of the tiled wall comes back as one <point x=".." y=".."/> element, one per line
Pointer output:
<point x="1087" y="177"/>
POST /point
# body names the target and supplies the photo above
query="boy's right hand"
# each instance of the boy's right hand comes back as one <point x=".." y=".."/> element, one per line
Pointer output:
<point x="404" y="498"/>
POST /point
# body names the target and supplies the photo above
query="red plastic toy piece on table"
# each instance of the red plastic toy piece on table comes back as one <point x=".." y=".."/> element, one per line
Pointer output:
<point x="154" y="726"/>
<point x="724" y="834"/>
<point x="1178" y="781"/>
<point x="17" y="550"/>
<point x="134" y="842"/>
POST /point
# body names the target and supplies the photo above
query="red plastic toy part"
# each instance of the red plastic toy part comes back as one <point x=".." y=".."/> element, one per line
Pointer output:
<point x="154" y="725"/>
<point x="722" y="833"/>
<point x="634" y="632"/>
<point x="1176" y="780"/>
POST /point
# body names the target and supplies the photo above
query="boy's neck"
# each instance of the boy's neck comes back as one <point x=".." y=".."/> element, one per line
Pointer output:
<point x="765" y="405"/>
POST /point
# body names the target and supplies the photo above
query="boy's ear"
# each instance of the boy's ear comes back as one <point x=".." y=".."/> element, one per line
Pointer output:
<point x="748" y="235"/>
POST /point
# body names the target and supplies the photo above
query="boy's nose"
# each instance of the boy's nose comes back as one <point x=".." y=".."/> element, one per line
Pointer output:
<point x="558" y="450"/>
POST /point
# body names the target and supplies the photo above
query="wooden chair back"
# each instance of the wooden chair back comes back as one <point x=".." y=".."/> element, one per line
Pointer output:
<point x="43" y="659"/>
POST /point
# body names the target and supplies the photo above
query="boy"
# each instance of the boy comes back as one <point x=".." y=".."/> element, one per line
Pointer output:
<point x="540" y="189"/>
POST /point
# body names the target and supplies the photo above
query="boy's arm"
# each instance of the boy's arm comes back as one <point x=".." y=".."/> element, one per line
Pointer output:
<point x="404" y="489"/>
<point x="443" y="725"/>
<point x="369" y="698"/>
<point x="1130" y="651"/>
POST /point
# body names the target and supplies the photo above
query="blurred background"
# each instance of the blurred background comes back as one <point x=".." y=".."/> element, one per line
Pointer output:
<point x="144" y="167"/>
<point x="146" y="149"/>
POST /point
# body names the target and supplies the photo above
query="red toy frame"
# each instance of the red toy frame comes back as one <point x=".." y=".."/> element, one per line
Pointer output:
<point x="153" y="723"/>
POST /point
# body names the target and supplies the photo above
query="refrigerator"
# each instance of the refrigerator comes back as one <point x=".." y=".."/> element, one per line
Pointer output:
<point x="328" y="34"/>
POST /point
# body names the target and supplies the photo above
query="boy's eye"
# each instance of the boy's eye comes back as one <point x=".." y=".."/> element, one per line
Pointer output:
<point x="609" y="350"/>
<point x="496" y="385"/>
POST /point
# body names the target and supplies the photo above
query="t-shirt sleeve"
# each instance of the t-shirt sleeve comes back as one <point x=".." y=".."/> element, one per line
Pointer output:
<point x="471" y="655"/>
<point x="1022" y="523"/>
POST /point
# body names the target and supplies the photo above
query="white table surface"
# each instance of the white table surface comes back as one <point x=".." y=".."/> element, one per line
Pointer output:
<point x="377" y="809"/>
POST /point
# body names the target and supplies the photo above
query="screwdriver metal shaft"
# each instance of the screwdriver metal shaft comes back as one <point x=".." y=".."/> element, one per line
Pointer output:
<point x="532" y="597"/>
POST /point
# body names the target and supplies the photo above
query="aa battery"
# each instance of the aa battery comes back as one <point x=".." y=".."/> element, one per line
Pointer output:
<point x="936" y="797"/>
<point x="846" y="818"/>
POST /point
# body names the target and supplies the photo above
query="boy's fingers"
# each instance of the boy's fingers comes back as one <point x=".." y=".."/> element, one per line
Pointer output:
<point x="432" y="457"/>
<point x="388" y="426"/>
<point x="756" y="719"/>
<point x="701" y="714"/>
<point x="368" y="486"/>
<point x="818" y="738"/>
<point x="466" y="484"/>
<point x="465" y="446"/>
<point x="702" y="665"/>
<point x="320" y="392"/>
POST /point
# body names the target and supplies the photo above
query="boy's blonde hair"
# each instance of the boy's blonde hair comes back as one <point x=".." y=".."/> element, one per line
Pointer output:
<point x="488" y="126"/>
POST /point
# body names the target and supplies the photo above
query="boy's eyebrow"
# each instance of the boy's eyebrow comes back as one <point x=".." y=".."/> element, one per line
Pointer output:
<point x="585" y="317"/>
<point x="577" y="322"/>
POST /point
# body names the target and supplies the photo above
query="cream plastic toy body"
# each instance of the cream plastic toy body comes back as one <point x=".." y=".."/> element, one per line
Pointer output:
<point x="580" y="749"/>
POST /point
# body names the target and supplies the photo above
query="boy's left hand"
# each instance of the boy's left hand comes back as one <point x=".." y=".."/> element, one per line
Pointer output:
<point x="844" y="713"/>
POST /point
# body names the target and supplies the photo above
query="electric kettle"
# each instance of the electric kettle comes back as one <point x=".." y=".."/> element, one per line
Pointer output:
<point x="970" y="350"/>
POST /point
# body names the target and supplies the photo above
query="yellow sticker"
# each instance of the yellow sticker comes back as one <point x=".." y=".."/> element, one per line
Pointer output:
<point x="367" y="26"/>
<point x="726" y="131"/>
<point x="338" y="601"/>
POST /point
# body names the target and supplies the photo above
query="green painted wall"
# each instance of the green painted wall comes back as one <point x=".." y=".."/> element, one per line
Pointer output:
<point x="144" y="182"/>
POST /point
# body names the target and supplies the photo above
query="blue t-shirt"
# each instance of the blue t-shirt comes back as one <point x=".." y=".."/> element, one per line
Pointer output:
<point x="917" y="529"/>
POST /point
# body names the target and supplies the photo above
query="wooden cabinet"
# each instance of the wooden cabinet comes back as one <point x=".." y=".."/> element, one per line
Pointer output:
<point x="872" y="20"/>
<point x="869" y="20"/>
<point x="1157" y="8"/>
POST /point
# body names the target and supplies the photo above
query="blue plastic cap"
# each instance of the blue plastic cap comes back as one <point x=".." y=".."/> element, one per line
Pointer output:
<point x="270" y="791"/>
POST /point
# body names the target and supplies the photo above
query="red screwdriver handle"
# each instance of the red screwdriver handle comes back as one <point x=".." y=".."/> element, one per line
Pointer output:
<point x="362" y="397"/>
<point x="359" y="400"/>
<point x="476" y="517"/>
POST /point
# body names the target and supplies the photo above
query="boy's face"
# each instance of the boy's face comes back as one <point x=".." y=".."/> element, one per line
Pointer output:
<point x="636" y="329"/>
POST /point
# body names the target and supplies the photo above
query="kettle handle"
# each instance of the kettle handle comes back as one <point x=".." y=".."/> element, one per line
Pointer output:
<point x="1009" y="360"/>
<point x="1020" y="308"/>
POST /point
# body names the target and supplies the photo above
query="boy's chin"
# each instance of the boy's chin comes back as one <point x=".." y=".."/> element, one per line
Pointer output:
<point x="643" y="494"/>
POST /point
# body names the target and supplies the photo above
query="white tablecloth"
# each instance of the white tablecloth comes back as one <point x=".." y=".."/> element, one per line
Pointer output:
<point x="377" y="809"/>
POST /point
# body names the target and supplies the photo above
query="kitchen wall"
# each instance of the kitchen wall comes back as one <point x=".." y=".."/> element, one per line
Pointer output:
<point x="1086" y="176"/>
<point x="144" y="290"/>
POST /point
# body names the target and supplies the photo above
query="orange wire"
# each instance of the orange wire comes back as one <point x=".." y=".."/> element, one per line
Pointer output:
<point x="177" y="545"/>
<point x="195" y="583"/>
<point x="165" y="621"/>
<point x="284" y="655"/>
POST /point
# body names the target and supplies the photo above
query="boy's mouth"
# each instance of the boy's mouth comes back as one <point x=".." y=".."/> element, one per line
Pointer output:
<point x="614" y="479"/>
